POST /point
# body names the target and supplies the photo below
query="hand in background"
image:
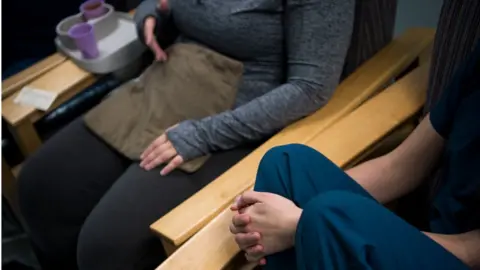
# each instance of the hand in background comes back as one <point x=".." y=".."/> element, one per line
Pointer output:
<point x="149" y="33"/>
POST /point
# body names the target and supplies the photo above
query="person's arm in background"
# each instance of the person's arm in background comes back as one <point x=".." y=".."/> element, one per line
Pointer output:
<point x="155" y="26"/>
<point x="399" y="172"/>
<point x="317" y="39"/>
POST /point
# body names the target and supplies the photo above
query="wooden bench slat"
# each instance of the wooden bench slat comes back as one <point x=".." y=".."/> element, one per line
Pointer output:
<point x="60" y="80"/>
<point x="19" y="80"/>
<point x="190" y="216"/>
<point x="213" y="247"/>
<point x="370" y="123"/>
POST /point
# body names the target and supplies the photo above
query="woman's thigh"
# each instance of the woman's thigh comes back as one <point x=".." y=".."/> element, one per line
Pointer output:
<point x="61" y="183"/>
<point x="116" y="235"/>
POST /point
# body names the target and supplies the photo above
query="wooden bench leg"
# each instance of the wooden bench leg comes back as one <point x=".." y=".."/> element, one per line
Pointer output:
<point x="9" y="190"/>
<point x="26" y="137"/>
<point x="168" y="246"/>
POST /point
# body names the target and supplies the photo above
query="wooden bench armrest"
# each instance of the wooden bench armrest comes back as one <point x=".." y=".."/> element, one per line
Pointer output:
<point x="24" y="77"/>
<point x="65" y="80"/>
<point x="190" y="216"/>
<point x="213" y="247"/>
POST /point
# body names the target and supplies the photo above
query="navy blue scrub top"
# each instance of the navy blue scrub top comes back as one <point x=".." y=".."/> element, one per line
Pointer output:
<point x="456" y="117"/>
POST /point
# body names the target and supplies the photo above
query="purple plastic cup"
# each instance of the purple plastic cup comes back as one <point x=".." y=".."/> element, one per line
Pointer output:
<point x="93" y="9"/>
<point x="84" y="37"/>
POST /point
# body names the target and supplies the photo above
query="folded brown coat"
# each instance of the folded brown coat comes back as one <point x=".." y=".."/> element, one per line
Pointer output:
<point x="194" y="83"/>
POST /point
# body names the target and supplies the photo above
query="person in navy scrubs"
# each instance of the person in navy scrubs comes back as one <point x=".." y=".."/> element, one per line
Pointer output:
<point x="306" y="213"/>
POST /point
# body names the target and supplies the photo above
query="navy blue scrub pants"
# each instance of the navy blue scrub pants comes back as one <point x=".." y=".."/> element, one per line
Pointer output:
<point x="342" y="225"/>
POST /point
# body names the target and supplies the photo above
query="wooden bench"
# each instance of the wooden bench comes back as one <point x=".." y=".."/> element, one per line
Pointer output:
<point x="188" y="218"/>
<point x="66" y="79"/>
<point x="213" y="247"/>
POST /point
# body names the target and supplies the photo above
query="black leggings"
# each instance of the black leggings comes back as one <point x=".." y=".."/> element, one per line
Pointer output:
<point x="88" y="207"/>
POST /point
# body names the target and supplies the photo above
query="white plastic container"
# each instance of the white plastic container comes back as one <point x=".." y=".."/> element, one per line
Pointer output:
<point x="116" y="37"/>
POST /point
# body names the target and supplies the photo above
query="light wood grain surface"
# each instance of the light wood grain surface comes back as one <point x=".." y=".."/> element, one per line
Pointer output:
<point x="63" y="79"/>
<point x="213" y="246"/>
<point x="24" y="77"/>
<point x="190" y="216"/>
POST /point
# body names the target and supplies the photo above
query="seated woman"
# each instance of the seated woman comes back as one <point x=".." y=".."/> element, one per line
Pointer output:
<point x="306" y="213"/>
<point x="88" y="207"/>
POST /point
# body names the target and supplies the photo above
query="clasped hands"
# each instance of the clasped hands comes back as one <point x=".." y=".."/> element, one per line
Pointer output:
<point x="264" y="224"/>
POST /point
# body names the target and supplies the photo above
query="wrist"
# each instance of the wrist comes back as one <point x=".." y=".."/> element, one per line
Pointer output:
<point x="293" y="224"/>
<point x="465" y="246"/>
<point x="471" y="242"/>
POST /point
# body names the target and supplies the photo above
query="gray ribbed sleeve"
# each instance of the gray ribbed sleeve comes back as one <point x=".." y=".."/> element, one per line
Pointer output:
<point x="317" y="35"/>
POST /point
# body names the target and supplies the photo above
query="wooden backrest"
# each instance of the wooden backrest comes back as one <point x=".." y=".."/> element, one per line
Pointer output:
<point x="177" y="226"/>
<point x="457" y="34"/>
<point x="372" y="30"/>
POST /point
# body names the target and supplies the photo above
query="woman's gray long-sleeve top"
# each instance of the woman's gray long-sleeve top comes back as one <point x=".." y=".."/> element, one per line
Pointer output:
<point x="292" y="50"/>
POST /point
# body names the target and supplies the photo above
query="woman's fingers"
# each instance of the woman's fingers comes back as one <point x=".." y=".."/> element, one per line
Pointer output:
<point x="161" y="155"/>
<point x="157" y="150"/>
<point x="156" y="143"/>
<point x="172" y="165"/>
<point x="160" y="55"/>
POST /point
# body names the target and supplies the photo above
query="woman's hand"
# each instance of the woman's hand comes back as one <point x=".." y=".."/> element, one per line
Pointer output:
<point x="266" y="223"/>
<point x="149" y="30"/>
<point x="159" y="152"/>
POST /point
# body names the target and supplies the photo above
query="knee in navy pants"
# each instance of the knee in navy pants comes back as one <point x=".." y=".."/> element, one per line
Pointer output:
<point x="343" y="230"/>
<point x="299" y="173"/>
<point x="342" y="226"/>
